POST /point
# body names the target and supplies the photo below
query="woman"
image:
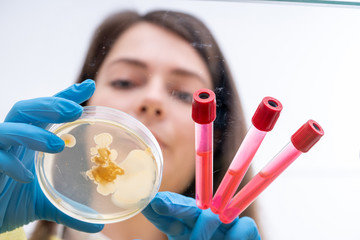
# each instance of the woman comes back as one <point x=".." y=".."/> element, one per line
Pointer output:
<point x="147" y="66"/>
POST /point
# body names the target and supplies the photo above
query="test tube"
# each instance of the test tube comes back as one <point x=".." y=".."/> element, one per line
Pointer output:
<point x="203" y="114"/>
<point x="301" y="142"/>
<point x="263" y="121"/>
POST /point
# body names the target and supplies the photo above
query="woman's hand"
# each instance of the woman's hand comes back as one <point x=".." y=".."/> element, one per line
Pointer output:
<point x="22" y="133"/>
<point x="179" y="218"/>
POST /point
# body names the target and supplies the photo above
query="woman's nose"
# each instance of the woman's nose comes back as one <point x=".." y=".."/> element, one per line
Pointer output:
<point x="152" y="101"/>
<point x="151" y="108"/>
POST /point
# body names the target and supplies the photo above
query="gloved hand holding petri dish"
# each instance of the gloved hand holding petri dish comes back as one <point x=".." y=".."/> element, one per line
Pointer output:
<point x="109" y="170"/>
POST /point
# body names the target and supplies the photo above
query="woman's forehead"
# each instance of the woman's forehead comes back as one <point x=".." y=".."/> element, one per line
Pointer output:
<point x="154" y="46"/>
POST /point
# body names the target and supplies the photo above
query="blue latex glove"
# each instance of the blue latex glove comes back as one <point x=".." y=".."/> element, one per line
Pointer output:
<point x="179" y="218"/>
<point x="22" y="133"/>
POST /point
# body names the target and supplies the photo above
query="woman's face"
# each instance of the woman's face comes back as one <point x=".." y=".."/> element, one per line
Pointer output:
<point x="151" y="74"/>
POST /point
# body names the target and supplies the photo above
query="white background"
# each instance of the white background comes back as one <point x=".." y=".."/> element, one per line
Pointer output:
<point x="305" y="55"/>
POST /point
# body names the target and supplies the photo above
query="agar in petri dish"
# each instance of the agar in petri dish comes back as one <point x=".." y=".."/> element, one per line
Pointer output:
<point x="109" y="170"/>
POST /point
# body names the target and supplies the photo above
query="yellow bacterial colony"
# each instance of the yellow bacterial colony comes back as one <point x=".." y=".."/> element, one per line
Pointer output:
<point x="129" y="181"/>
<point x="106" y="170"/>
<point x="68" y="139"/>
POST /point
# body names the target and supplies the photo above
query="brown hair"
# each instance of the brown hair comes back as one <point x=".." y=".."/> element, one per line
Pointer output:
<point x="229" y="125"/>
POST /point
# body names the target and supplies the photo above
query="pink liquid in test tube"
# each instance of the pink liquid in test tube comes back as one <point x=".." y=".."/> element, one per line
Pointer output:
<point x="301" y="142"/>
<point x="263" y="121"/>
<point x="204" y="113"/>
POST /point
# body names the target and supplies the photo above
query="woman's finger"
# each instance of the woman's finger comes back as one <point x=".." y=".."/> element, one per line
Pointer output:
<point x="45" y="210"/>
<point x="168" y="225"/>
<point x="13" y="167"/>
<point x="63" y="107"/>
<point x="206" y="225"/>
<point x="245" y="229"/>
<point x="44" y="110"/>
<point x="79" y="92"/>
<point x="176" y="205"/>
<point x="33" y="137"/>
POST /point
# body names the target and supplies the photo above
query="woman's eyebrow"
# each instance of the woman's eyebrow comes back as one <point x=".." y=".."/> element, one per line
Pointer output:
<point x="187" y="73"/>
<point x="177" y="71"/>
<point x="129" y="61"/>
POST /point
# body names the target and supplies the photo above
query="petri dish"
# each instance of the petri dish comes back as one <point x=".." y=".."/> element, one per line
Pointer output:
<point x="109" y="170"/>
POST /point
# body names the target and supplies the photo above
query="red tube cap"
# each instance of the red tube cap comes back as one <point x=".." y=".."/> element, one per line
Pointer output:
<point x="204" y="106"/>
<point x="306" y="137"/>
<point x="267" y="114"/>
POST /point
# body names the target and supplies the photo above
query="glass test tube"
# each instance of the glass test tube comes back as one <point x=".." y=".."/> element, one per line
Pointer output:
<point x="263" y="121"/>
<point x="301" y="142"/>
<point x="203" y="114"/>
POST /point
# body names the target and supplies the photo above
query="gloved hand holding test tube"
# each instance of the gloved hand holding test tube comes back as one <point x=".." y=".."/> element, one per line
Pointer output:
<point x="301" y="142"/>
<point x="263" y="121"/>
<point x="204" y="113"/>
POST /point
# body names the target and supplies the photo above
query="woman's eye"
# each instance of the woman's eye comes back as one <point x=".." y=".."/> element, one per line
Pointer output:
<point x="182" y="96"/>
<point x="122" y="84"/>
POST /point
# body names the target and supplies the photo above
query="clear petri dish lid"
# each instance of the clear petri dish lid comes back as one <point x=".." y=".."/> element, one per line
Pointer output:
<point x="109" y="170"/>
